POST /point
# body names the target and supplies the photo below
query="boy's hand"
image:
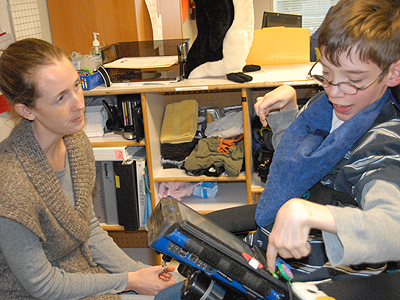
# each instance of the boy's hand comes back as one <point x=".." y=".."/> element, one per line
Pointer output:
<point x="282" y="98"/>
<point x="150" y="281"/>
<point x="289" y="236"/>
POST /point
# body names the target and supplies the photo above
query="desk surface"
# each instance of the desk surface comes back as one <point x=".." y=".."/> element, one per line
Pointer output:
<point x="270" y="76"/>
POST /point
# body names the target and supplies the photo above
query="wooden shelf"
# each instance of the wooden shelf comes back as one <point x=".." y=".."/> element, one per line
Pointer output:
<point x="228" y="195"/>
<point x="115" y="227"/>
<point x="165" y="175"/>
<point x="114" y="140"/>
<point x="112" y="227"/>
<point x="257" y="186"/>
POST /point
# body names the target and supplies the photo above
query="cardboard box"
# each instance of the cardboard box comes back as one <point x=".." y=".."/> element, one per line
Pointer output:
<point x="280" y="46"/>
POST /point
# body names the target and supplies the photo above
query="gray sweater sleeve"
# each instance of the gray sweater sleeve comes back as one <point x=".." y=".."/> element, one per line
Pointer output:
<point x="279" y="122"/>
<point x="25" y="256"/>
<point x="107" y="254"/>
<point x="370" y="234"/>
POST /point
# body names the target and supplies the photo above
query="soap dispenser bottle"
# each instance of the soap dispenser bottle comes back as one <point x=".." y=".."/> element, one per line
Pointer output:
<point x="96" y="44"/>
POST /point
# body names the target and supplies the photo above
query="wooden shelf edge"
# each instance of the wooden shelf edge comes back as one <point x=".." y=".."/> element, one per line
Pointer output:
<point x="118" y="228"/>
<point x="118" y="144"/>
<point x="257" y="190"/>
<point x="112" y="227"/>
<point x="201" y="178"/>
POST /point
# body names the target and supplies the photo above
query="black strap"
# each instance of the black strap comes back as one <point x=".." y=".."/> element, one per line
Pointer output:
<point x="325" y="195"/>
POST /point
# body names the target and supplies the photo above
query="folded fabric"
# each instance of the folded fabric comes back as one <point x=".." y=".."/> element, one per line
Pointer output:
<point x="177" y="151"/>
<point x="178" y="190"/>
<point x="228" y="126"/>
<point x="206" y="154"/>
<point x="180" y="122"/>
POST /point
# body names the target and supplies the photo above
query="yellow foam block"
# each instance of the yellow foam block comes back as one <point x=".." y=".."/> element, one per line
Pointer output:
<point x="280" y="46"/>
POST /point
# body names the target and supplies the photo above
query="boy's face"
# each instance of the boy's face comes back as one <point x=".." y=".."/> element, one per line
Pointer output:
<point x="357" y="72"/>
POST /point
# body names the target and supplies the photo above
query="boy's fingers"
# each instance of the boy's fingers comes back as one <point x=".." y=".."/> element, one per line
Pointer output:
<point x="271" y="257"/>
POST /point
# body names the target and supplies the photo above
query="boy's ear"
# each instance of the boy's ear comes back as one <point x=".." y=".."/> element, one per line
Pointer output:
<point x="24" y="111"/>
<point x="394" y="78"/>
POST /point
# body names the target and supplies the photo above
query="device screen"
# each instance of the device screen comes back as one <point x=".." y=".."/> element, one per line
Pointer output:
<point x="214" y="230"/>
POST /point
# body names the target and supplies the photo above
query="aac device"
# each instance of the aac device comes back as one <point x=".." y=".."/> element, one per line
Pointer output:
<point x="181" y="233"/>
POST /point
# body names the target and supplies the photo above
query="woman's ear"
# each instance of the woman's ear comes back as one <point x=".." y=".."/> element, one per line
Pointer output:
<point x="24" y="111"/>
<point x="394" y="74"/>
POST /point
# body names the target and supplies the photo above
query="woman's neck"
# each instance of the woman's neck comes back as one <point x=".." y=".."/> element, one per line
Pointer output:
<point x="52" y="145"/>
<point x="55" y="151"/>
<point x="56" y="154"/>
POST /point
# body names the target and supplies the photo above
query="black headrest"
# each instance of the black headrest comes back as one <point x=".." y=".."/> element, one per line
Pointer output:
<point x="396" y="93"/>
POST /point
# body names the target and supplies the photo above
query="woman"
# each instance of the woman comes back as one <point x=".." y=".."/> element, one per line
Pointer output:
<point x="52" y="246"/>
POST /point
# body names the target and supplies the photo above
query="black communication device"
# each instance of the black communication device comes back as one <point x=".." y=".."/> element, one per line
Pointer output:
<point x="177" y="231"/>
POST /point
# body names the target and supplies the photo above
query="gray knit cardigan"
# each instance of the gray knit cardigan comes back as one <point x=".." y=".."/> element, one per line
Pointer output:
<point x="31" y="195"/>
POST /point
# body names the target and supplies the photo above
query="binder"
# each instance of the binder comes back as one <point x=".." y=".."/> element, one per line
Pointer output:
<point x="110" y="196"/>
<point x="99" y="203"/>
<point x="127" y="195"/>
<point x="140" y="160"/>
<point x="148" y="209"/>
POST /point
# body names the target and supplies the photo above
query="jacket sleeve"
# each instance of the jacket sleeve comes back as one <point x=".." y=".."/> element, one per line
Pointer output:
<point x="279" y="122"/>
<point x="370" y="234"/>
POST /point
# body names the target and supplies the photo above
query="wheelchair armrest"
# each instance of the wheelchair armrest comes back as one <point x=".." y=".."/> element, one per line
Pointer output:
<point x="237" y="220"/>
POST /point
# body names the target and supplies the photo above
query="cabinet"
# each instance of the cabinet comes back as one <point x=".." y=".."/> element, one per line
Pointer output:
<point x="233" y="191"/>
<point x="73" y="22"/>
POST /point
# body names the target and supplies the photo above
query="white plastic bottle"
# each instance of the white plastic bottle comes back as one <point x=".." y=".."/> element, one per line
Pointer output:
<point x="96" y="44"/>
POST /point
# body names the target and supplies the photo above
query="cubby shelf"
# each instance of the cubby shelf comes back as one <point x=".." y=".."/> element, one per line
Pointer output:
<point x="233" y="191"/>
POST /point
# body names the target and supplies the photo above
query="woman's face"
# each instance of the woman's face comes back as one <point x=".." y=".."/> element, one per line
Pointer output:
<point x="59" y="110"/>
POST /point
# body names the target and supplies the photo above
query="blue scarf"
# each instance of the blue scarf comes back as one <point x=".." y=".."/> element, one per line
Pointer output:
<point x="307" y="152"/>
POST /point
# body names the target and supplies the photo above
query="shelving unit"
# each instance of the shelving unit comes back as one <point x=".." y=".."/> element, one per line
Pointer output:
<point x="233" y="191"/>
<point x="155" y="103"/>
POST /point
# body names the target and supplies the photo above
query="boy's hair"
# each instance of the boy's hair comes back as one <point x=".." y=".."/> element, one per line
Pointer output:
<point x="19" y="65"/>
<point x="369" y="27"/>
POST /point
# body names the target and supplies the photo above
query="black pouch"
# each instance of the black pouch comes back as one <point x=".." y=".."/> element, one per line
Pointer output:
<point x="262" y="161"/>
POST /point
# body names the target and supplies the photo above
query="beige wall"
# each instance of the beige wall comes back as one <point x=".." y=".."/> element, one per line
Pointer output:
<point x="6" y="125"/>
<point x="259" y="7"/>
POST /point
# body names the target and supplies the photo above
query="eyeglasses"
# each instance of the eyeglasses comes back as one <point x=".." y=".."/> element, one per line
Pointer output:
<point x="345" y="87"/>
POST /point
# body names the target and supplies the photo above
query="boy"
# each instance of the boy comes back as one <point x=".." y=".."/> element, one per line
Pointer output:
<point x="343" y="150"/>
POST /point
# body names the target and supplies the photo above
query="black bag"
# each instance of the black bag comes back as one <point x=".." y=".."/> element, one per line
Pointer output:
<point x="262" y="148"/>
<point x="262" y="162"/>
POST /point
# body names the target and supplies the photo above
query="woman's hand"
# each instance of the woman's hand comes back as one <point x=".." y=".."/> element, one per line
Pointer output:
<point x="150" y="281"/>
<point x="282" y="98"/>
<point x="289" y="236"/>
